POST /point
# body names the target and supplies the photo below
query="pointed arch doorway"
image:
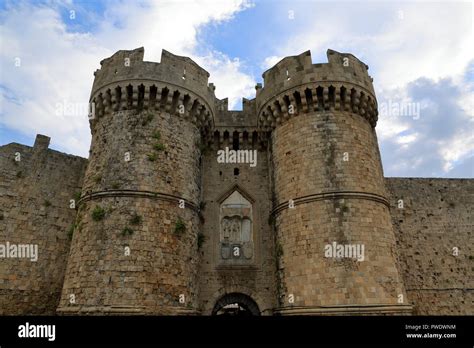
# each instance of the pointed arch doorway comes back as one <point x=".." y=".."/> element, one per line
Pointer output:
<point x="236" y="304"/>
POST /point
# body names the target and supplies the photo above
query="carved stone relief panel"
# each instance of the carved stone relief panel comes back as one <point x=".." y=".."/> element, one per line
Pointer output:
<point x="236" y="229"/>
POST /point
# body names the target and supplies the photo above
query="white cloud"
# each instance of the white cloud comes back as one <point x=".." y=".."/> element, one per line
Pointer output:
<point x="229" y="80"/>
<point x="428" y="40"/>
<point x="433" y="40"/>
<point x="270" y="61"/>
<point x="459" y="147"/>
<point x="57" y="65"/>
<point x="406" y="139"/>
<point x="165" y="24"/>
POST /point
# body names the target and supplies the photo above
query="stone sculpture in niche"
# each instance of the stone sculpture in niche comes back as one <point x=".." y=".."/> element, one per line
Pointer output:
<point x="236" y="237"/>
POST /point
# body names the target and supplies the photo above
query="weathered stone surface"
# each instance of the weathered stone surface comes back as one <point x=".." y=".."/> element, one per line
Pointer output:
<point x="35" y="194"/>
<point x="437" y="216"/>
<point x="162" y="227"/>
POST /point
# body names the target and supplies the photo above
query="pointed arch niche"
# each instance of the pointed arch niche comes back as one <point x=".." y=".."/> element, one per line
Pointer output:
<point x="236" y="237"/>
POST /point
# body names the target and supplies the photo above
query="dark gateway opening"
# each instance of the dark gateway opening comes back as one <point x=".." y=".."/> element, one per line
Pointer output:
<point x="236" y="304"/>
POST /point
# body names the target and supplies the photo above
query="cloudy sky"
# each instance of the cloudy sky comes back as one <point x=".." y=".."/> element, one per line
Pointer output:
<point x="419" y="53"/>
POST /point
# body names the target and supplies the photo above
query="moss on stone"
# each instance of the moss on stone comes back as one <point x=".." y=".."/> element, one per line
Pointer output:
<point x="180" y="226"/>
<point x="127" y="231"/>
<point x="136" y="219"/>
<point x="98" y="213"/>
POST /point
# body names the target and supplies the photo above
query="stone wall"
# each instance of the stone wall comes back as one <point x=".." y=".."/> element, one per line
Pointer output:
<point x="150" y="235"/>
<point x="255" y="278"/>
<point x="35" y="194"/>
<point x="437" y="216"/>
<point x="329" y="188"/>
<point x="139" y="186"/>
<point x="334" y="201"/>
<point x="143" y="178"/>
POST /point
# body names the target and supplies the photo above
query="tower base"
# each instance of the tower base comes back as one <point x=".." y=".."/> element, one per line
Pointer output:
<point x="347" y="310"/>
<point x="125" y="310"/>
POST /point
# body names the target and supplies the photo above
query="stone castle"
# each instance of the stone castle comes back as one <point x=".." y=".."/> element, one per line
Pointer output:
<point x="296" y="218"/>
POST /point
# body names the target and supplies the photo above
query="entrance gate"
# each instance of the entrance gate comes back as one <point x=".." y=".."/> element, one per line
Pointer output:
<point x="236" y="304"/>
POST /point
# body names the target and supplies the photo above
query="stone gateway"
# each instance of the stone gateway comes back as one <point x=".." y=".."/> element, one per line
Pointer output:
<point x="154" y="222"/>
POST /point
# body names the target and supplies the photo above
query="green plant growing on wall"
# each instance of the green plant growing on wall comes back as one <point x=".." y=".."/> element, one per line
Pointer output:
<point x="180" y="226"/>
<point x="151" y="157"/>
<point x="127" y="231"/>
<point x="201" y="238"/>
<point x="148" y="118"/>
<point x="98" y="213"/>
<point x="98" y="179"/>
<point x="136" y="219"/>
<point x="19" y="174"/>
<point x="115" y="185"/>
<point x="157" y="135"/>
<point x="77" y="196"/>
<point x="47" y="203"/>
<point x="159" y="147"/>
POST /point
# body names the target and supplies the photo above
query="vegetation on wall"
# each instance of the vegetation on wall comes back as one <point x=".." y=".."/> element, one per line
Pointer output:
<point x="127" y="231"/>
<point x="148" y="118"/>
<point x="77" y="196"/>
<point x="180" y="226"/>
<point x="159" y="147"/>
<point x="136" y="219"/>
<point x="98" y="213"/>
<point x="151" y="157"/>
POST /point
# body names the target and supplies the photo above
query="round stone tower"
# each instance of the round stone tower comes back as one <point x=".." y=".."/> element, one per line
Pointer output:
<point x="134" y="247"/>
<point x="334" y="238"/>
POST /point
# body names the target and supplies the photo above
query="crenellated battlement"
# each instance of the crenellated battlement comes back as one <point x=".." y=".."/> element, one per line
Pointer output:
<point x="317" y="97"/>
<point x="160" y="221"/>
<point x="295" y="86"/>
<point x="127" y="65"/>
<point x="293" y="71"/>
<point x="176" y="85"/>
<point x="238" y="137"/>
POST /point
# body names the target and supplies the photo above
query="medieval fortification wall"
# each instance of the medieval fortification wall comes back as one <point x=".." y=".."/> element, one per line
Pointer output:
<point x="162" y="226"/>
